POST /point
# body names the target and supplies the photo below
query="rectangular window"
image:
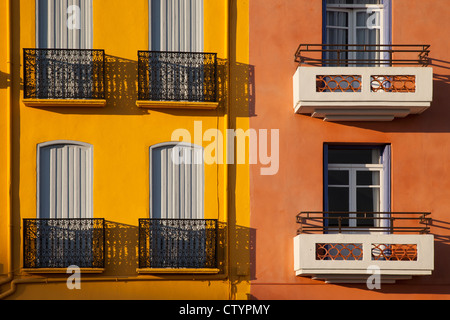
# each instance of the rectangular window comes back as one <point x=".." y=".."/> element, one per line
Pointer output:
<point x="348" y="25"/>
<point x="356" y="185"/>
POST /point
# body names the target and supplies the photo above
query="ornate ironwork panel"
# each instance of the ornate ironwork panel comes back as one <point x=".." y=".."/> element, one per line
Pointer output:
<point x="394" y="252"/>
<point x="177" y="76"/>
<point x="64" y="74"/>
<point x="393" y="83"/>
<point x="339" y="251"/>
<point x="338" y="83"/>
<point x="177" y="243"/>
<point x="59" y="243"/>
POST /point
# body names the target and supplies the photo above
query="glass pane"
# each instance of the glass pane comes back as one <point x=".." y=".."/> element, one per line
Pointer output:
<point x="367" y="178"/>
<point x="338" y="200"/>
<point x="337" y="19"/>
<point x="368" y="19"/>
<point x="338" y="177"/>
<point x="361" y="19"/>
<point x="354" y="156"/>
<point x="368" y="199"/>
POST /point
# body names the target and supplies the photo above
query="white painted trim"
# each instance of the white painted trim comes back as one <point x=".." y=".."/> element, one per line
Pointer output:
<point x="352" y="186"/>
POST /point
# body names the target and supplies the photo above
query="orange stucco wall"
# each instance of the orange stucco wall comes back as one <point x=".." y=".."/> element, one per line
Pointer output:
<point x="420" y="149"/>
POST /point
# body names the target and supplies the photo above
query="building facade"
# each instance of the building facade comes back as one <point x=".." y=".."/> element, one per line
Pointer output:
<point x="224" y="149"/>
<point x="359" y="92"/>
<point x="109" y="107"/>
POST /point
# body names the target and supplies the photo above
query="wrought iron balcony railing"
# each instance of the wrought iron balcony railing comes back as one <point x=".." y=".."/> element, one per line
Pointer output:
<point x="362" y="55"/>
<point x="177" y="76"/>
<point x="64" y="74"/>
<point x="178" y="243"/>
<point x="60" y="243"/>
<point x="383" y="222"/>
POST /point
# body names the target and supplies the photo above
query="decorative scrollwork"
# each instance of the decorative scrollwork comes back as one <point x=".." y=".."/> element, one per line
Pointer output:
<point x="394" y="252"/>
<point x="338" y="83"/>
<point x="177" y="76"/>
<point x="59" y="243"/>
<point x="393" y="83"/>
<point x="64" y="74"/>
<point x="177" y="243"/>
<point x="339" y="251"/>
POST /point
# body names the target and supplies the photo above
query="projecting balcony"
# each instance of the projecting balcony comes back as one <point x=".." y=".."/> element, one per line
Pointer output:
<point x="362" y="83"/>
<point x="177" y="80"/>
<point x="394" y="245"/>
<point x="64" y="77"/>
<point x="178" y="246"/>
<point x="52" y="244"/>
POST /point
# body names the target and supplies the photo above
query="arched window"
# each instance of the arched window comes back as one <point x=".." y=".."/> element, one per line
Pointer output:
<point x="176" y="181"/>
<point x="64" y="179"/>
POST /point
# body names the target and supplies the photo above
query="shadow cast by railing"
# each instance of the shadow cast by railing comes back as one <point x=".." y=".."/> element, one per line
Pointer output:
<point x="121" y="91"/>
<point x="122" y="249"/>
<point x="5" y="80"/>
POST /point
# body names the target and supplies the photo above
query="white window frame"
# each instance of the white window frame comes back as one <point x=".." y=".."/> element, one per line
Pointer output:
<point x="352" y="187"/>
<point x="352" y="10"/>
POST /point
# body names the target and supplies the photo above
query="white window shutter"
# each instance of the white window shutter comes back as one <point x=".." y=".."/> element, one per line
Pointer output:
<point x="64" y="181"/>
<point x="56" y="27"/>
<point x="176" y="182"/>
<point x="176" y="25"/>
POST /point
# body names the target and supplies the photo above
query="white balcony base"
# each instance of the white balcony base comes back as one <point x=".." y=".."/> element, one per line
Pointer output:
<point x="364" y="105"/>
<point x="307" y="264"/>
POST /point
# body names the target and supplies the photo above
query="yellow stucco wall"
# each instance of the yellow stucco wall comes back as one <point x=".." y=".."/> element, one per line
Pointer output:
<point x="4" y="128"/>
<point x="121" y="134"/>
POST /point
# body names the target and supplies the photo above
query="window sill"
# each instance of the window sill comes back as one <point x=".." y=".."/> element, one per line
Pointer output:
<point x="37" y="103"/>
<point x="61" y="270"/>
<point x="178" y="270"/>
<point x="189" y="105"/>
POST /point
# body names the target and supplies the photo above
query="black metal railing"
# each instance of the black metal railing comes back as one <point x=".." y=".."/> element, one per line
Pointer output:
<point x="60" y="243"/>
<point x="177" y="76"/>
<point x="344" y="55"/>
<point x="385" y="222"/>
<point x="178" y="243"/>
<point x="64" y="74"/>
